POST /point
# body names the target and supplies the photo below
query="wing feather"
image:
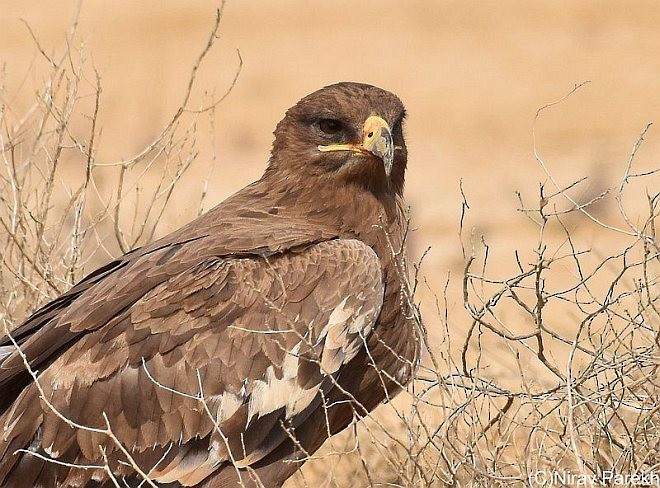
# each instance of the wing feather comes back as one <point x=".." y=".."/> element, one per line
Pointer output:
<point x="262" y="339"/>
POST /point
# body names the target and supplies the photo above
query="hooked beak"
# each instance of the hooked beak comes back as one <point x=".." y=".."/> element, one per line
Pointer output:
<point x="376" y="140"/>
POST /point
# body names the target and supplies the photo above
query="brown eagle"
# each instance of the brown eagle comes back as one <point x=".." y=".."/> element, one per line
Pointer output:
<point x="227" y="352"/>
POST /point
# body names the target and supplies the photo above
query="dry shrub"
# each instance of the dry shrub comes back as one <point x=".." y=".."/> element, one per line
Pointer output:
<point x="557" y="368"/>
<point x="62" y="211"/>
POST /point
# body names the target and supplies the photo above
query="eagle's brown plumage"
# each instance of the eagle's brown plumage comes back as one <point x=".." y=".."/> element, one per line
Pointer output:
<point x="282" y="306"/>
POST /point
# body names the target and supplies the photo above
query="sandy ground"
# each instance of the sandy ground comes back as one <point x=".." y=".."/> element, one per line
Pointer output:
<point x="472" y="75"/>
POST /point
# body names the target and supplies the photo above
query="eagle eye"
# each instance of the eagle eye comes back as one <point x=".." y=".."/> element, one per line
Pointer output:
<point x="330" y="126"/>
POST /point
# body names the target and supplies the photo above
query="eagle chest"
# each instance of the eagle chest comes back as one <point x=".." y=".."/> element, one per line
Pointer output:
<point x="391" y="356"/>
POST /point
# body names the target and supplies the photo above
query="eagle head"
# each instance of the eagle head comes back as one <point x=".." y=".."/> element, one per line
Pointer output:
<point x="346" y="133"/>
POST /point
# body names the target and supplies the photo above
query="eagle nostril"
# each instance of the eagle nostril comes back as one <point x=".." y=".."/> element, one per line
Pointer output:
<point x="370" y="134"/>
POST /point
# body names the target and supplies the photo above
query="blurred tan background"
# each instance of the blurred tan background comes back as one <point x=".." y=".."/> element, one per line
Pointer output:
<point x="472" y="75"/>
